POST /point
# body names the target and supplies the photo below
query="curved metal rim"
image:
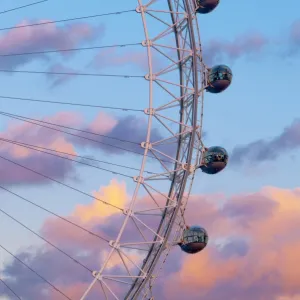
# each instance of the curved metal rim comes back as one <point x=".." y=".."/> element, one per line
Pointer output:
<point x="151" y="260"/>
<point x="188" y="5"/>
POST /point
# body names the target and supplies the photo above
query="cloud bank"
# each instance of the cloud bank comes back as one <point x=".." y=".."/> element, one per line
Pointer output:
<point x="253" y="250"/>
<point x="95" y="136"/>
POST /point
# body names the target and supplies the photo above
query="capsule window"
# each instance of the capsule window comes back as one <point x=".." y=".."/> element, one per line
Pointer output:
<point x="220" y="73"/>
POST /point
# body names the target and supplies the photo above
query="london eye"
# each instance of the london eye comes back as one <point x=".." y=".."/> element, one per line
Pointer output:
<point x="166" y="147"/>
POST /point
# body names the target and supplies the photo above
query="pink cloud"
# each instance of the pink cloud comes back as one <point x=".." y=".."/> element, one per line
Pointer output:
<point x="11" y="173"/>
<point x="245" y="45"/>
<point x="114" y="58"/>
<point x="252" y="45"/>
<point x="295" y="32"/>
<point x="264" y="268"/>
<point x="252" y="253"/>
<point x="294" y="38"/>
<point x="103" y="124"/>
<point x="75" y="291"/>
<point x="129" y="127"/>
<point x="43" y="38"/>
<point x="121" y="128"/>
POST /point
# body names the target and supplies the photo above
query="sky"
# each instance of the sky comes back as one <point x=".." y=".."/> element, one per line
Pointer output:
<point x="250" y="210"/>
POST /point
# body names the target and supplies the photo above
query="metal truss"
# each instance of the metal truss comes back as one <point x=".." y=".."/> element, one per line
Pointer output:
<point x="176" y="90"/>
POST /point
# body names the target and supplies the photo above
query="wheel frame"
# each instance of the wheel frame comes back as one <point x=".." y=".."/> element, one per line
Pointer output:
<point x="192" y="78"/>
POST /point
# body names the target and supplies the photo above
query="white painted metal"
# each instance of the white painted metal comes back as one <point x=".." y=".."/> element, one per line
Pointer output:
<point x="185" y="87"/>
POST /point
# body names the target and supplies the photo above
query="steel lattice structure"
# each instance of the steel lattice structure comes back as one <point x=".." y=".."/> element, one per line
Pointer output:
<point x="151" y="222"/>
<point x="179" y="165"/>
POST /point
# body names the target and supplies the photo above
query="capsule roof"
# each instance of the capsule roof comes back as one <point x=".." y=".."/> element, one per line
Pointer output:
<point x="217" y="149"/>
<point x="206" y="6"/>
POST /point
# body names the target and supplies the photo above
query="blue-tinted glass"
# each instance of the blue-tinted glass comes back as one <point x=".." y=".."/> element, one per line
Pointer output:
<point x="221" y="72"/>
<point x="206" y="6"/>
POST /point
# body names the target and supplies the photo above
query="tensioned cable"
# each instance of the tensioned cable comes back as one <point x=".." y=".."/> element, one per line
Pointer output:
<point x="72" y="104"/>
<point x="36" y="148"/>
<point x="61" y="183"/>
<point x="71" y="73"/>
<point x="67" y="158"/>
<point x="70" y="19"/>
<point x="28" y="120"/>
<point x="45" y="240"/>
<point x="9" y="288"/>
<point x="75" y="129"/>
<point x="14" y="116"/>
<point x="69" y="50"/>
<point x="35" y="272"/>
<point x="20" y="7"/>
<point x="69" y="133"/>
<point x="53" y="213"/>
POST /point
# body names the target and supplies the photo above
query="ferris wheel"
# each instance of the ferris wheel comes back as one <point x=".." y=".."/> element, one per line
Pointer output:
<point x="152" y="222"/>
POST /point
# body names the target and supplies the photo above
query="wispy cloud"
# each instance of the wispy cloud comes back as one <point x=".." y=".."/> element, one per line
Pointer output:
<point x="43" y="38"/>
<point x="268" y="149"/>
<point x="253" y="45"/>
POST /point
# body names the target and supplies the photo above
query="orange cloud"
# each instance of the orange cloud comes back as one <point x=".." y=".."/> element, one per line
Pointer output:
<point x="253" y="251"/>
<point x="265" y="221"/>
<point x="267" y="269"/>
<point x="114" y="193"/>
<point x="87" y="216"/>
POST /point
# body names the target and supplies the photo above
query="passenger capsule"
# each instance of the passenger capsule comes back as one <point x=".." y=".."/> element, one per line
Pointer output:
<point x="194" y="239"/>
<point x="206" y="6"/>
<point x="214" y="160"/>
<point x="219" y="79"/>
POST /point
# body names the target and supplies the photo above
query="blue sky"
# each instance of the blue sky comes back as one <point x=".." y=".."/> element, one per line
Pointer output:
<point x="262" y="100"/>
